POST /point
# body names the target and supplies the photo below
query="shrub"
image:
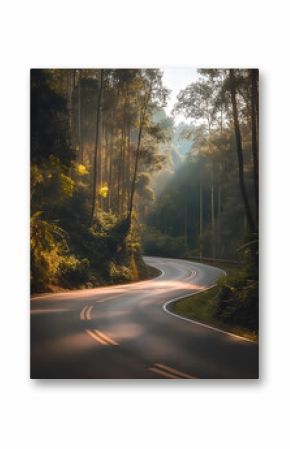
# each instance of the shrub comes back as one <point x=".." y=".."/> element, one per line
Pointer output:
<point x="157" y="244"/>
<point x="51" y="261"/>
<point x="237" y="302"/>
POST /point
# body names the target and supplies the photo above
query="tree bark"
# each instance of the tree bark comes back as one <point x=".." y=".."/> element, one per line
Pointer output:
<point x="239" y="149"/>
<point x="120" y="159"/>
<point x="254" y="119"/>
<point x="81" y="157"/>
<point x="94" y="192"/>
<point x="212" y="209"/>
<point x="200" y="215"/>
<point x="128" y="169"/>
<point x="100" y="163"/>
<point x="70" y="75"/>
<point x="106" y="170"/>
<point x="218" y="221"/>
<point x="185" y="222"/>
<point x="142" y="122"/>
<point x="110" y="171"/>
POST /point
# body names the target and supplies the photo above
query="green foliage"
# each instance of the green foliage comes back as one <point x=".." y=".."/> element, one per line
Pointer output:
<point x="201" y="306"/>
<point x="51" y="261"/>
<point x="67" y="185"/>
<point x="158" y="244"/>
<point x="49" y="121"/>
<point x="119" y="273"/>
<point x="233" y="304"/>
<point x="237" y="302"/>
<point x="236" y="317"/>
<point x="176" y="210"/>
<point x="75" y="255"/>
<point x="73" y="272"/>
<point x="65" y="250"/>
<point x="238" y="297"/>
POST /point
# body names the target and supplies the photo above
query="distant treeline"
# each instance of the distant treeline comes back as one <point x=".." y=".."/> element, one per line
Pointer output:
<point x="210" y="206"/>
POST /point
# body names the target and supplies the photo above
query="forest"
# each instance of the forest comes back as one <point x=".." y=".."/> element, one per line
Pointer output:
<point x="114" y="177"/>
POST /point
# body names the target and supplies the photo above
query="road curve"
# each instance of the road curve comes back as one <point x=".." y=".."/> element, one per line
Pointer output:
<point x="124" y="332"/>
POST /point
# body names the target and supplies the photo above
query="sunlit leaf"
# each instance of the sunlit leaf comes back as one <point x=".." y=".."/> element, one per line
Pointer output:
<point x="103" y="190"/>
<point x="81" y="169"/>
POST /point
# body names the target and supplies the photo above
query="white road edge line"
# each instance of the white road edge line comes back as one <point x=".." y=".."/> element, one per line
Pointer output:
<point x="161" y="275"/>
<point x="192" y="275"/>
<point x="165" y="308"/>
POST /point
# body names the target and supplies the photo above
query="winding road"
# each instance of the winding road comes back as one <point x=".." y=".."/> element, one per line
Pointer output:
<point x="128" y="331"/>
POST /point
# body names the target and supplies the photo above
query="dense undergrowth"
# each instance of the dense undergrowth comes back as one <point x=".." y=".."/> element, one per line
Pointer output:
<point x="233" y="303"/>
<point x="72" y="255"/>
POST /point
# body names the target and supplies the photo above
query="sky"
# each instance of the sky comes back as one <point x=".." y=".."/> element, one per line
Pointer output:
<point x="176" y="79"/>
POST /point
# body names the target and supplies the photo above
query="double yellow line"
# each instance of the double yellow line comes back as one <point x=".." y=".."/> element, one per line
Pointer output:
<point x="170" y="373"/>
<point x="97" y="335"/>
<point x="101" y="338"/>
<point x="86" y="313"/>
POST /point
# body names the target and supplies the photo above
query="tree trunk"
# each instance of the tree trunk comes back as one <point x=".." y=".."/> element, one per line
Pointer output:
<point x="218" y="224"/>
<point x="100" y="163"/>
<point x="123" y="172"/>
<point x="69" y="98"/>
<point x="239" y="149"/>
<point x="200" y="215"/>
<point x="106" y="170"/>
<point x="94" y="192"/>
<point x="254" y="119"/>
<point x="129" y="168"/>
<point x="185" y="222"/>
<point x="212" y="209"/>
<point x="110" y="171"/>
<point x="81" y="157"/>
<point x="120" y="159"/>
<point x="142" y="121"/>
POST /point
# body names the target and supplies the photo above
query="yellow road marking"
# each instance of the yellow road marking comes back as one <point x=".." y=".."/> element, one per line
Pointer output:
<point x="89" y="313"/>
<point x="95" y="337"/>
<point x="86" y="313"/>
<point x="173" y="370"/>
<point x="106" y="338"/>
<point x="163" y="373"/>
<point x="82" y="314"/>
<point x="100" y="337"/>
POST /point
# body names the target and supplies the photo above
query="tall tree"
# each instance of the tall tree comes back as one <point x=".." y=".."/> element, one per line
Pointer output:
<point x="197" y="100"/>
<point x="255" y="130"/>
<point x="200" y="213"/>
<point x="80" y="117"/>
<point x="94" y="183"/>
<point x="137" y="154"/>
<point x="239" y="149"/>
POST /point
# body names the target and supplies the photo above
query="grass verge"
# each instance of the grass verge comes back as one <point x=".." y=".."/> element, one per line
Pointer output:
<point x="202" y="307"/>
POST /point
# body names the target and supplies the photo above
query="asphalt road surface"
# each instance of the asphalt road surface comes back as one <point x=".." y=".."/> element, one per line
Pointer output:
<point x="128" y="332"/>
